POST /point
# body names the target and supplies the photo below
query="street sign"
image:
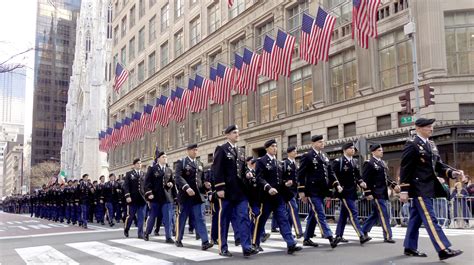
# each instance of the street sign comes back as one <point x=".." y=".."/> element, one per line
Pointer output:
<point x="404" y="120"/>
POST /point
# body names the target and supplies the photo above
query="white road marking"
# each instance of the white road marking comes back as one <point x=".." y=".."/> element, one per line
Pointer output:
<point x="44" y="255"/>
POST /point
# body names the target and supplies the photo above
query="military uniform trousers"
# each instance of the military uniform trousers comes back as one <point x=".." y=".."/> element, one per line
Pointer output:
<point x="215" y="219"/>
<point x="118" y="207"/>
<point x="379" y="213"/>
<point x="162" y="211"/>
<point x="84" y="214"/>
<point x="99" y="212"/>
<point x="278" y="207"/>
<point x="138" y="210"/>
<point x="67" y="212"/>
<point x="76" y="213"/>
<point x="159" y="221"/>
<point x="185" y="210"/>
<point x="239" y="211"/>
<point x="348" y="210"/>
<point x="293" y="215"/>
<point x="110" y="211"/>
<point x="316" y="216"/>
<point x="421" y="212"/>
<point x="255" y="219"/>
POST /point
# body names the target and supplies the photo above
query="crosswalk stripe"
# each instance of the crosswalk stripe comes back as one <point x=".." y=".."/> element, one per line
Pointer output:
<point x="170" y="249"/>
<point x="115" y="255"/>
<point x="44" y="255"/>
<point x="230" y="246"/>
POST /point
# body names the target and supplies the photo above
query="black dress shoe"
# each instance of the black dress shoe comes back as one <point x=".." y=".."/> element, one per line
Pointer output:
<point x="365" y="239"/>
<point x="275" y="230"/>
<point x="146" y="237"/>
<point x="237" y="242"/>
<point x="299" y="236"/>
<point x="125" y="233"/>
<point x="191" y="232"/>
<point x="265" y="237"/>
<point x="293" y="249"/>
<point x="169" y="241"/>
<point x="250" y="252"/>
<point x="178" y="244"/>
<point x="414" y="253"/>
<point x="140" y="237"/>
<point x="206" y="245"/>
<point x="335" y="241"/>
<point x="343" y="240"/>
<point x="310" y="243"/>
<point x="449" y="253"/>
<point x="157" y="233"/>
<point x="389" y="240"/>
<point x="226" y="253"/>
<point x="111" y="224"/>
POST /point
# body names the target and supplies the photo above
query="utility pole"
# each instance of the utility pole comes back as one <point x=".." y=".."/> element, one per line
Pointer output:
<point x="409" y="30"/>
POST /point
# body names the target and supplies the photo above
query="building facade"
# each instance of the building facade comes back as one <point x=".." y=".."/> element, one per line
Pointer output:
<point x="12" y="96"/>
<point x="11" y="135"/>
<point x="353" y="97"/>
<point x="54" y="54"/>
<point x="86" y="112"/>
<point x="13" y="171"/>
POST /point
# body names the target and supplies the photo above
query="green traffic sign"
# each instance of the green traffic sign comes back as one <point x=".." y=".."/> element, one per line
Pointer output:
<point x="406" y="120"/>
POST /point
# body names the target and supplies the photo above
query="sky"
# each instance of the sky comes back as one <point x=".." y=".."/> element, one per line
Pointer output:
<point x="17" y="34"/>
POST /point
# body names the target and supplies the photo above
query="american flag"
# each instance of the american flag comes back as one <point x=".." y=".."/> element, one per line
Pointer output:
<point x="180" y="104"/>
<point x="225" y="79"/>
<point x="126" y="130"/>
<point x="239" y="69"/>
<point x="324" y="26"/>
<point x="101" y="141"/>
<point x="283" y="53"/>
<point x="202" y="86"/>
<point x="121" y="75"/>
<point x="307" y="37"/>
<point x="168" y="107"/>
<point x="147" y="118"/>
<point x="116" y="134"/>
<point x="267" y="66"/>
<point x="108" y="138"/>
<point x="160" y="110"/>
<point x="215" y="85"/>
<point x="364" y="21"/>
<point x="252" y="68"/>
<point x="139" y="130"/>
<point x="154" y="116"/>
<point x="230" y="3"/>
<point x="132" y="127"/>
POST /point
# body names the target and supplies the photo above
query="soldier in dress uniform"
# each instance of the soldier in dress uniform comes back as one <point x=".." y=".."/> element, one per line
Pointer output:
<point x="120" y="203"/>
<point x="68" y="192"/>
<point x="269" y="172"/>
<point x="77" y="213"/>
<point x="134" y="196"/>
<point x="420" y="168"/>
<point x="209" y="182"/>
<point x="289" y="169"/>
<point x="231" y="191"/>
<point x="315" y="179"/>
<point x="160" y="192"/>
<point x="110" y="198"/>
<point x="100" y="206"/>
<point x="374" y="173"/>
<point x="348" y="174"/>
<point x="190" y="196"/>
<point x="86" y="192"/>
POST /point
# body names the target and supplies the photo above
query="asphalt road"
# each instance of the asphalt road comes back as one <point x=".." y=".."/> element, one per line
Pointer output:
<point x="103" y="245"/>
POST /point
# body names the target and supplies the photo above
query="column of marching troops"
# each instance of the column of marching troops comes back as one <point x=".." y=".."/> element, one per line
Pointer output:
<point x="245" y="191"/>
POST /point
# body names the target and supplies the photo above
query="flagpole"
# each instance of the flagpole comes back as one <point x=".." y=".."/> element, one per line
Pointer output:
<point x="409" y="30"/>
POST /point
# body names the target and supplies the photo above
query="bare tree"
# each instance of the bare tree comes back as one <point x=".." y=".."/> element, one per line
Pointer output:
<point x="42" y="173"/>
<point x="7" y="66"/>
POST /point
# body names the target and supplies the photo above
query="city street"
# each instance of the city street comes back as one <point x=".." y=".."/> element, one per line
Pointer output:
<point x="25" y="240"/>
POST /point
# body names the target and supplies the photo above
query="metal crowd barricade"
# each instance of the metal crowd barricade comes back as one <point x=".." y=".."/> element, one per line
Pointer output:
<point x="461" y="211"/>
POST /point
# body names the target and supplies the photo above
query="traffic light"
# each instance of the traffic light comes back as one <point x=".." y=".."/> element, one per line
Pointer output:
<point x="428" y="92"/>
<point x="405" y="102"/>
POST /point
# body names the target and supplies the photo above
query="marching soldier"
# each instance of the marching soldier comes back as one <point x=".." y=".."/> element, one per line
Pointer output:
<point x="120" y="203"/>
<point x="374" y="173"/>
<point x="213" y="203"/>
<point x="190" y="197"/>
<point x="269" y="173"/>
<point x="290" y="167"/>
<point x="99" y="208"/>
<point x="110" y="198"/>
<point x="68" y="198"/>
<point x="160" y="192"/>
<point x="86" y="192"/>
<point x="347" y="172"/>
<point x="229" y="175"/>
<point x="420" y="168"/>
<point x="77" y="212"/>
<point x="133" y="189"/>
<point x="316" y="177"/>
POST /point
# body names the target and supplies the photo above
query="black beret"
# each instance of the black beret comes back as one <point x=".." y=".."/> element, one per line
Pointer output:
<point x="159" y="154"/>
<point x="231" y="128"/>
<point x="422" y="122"/>
<point x="316" y="138"/>
<point x="269" y="143"/>
<point x="374" y="147"/>
<point x="290" y="149"/>
<point x="248" y="158"/>
<point x="192" y="146"/>
<point x="347" y="145"/>
<point x="136" y="160"/>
